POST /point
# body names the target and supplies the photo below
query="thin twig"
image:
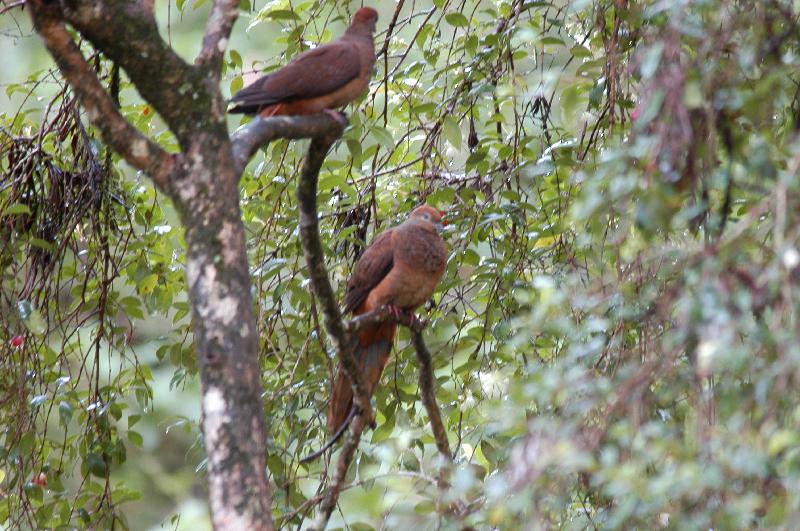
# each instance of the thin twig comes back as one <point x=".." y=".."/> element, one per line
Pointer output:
<point x="345" y="457"/>
<point x="336" y="436"/>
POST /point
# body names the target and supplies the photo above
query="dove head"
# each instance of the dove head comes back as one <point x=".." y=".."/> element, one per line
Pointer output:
<point x="364" y="21"/>
<point x="426" y="214"/>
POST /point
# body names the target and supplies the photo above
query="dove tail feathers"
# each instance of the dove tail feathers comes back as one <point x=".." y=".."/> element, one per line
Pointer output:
<point x="372" y="349"/>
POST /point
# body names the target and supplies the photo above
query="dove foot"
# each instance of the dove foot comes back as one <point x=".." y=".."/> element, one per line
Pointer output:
<point x="338" y="116"/>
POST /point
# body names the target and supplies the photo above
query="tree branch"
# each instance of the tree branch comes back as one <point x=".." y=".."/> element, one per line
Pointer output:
<point x="260" y="131"/>
<point x="320" y="284"/>
<point x="315" y="261"/>
<point x="426" y="381"/>
<point x="351" y="327"/>
<point x="9" y="6"/>
<point x="379" y="315"/>
<point x="127" y="32"/>
<point x="426" y="387"/>
<point x="385" y="48"/>
<point x="218" y="30"/>
<point x="426" y="384"/>
<point x="117" y="132"/>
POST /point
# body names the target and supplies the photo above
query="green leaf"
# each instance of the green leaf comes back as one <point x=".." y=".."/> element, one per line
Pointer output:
<point x="456" y="19"/>
<point x="26" y="443"/>
<point x="132" y="307"/>
<point x="123" y="494"/>
<point x="34" y="492"/>
<point x="49" y="356"/>
<point x="148" y="283"/>
<point x="383" y="137"/>
<point x="354" y="146"/>
<point x="42" y="244"/>
<point x="236" y="84"/>
<point x="329" y="181"/>
<point x="452" y="131"/>
<point x="384" y="431"/>
<point x="96" y="465"/>
<point x="423" y="34"/>
<point x="277" y="14"/>
<point x="580" y="52"/>
<point x="425" y="507"/>
<point x="236" y="58"/>
<point x="552" y="41"/>
<point x="64" y="413"/>
<point x="15" y="209"/>
<point x="135" y="438"/>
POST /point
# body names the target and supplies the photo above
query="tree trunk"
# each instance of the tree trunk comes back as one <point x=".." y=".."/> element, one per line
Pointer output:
<point x="226" y="341"/>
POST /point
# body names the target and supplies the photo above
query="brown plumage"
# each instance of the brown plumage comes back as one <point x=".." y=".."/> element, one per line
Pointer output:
<point x="400" y="268"/>
<point x="326" y="77"/>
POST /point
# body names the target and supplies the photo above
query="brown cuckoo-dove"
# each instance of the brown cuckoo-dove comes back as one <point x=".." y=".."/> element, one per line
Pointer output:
<point x="318" y="80"/>
<point x="401" y="269"/>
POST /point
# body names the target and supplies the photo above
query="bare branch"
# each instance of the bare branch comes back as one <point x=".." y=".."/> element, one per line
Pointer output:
<point x="380" y="315"/>
<point x="121" y="135"/>
<point x="321" y="286"/>
<point x="218" y="30"/>
<point x="426" y="389"/>
<point x="9" y="6"/>
<point x="247" y="140"/>
<point x="385" y="48"/>
<point x="351" y="327"/>
<point x="315" y="261"/>
<point x="335" y="437"/>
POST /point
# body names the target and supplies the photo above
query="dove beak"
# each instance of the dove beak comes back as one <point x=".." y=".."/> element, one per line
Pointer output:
<point x="440" y="226"/>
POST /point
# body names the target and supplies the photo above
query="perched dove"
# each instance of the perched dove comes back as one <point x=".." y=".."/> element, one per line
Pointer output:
<point x="318" y="80"/>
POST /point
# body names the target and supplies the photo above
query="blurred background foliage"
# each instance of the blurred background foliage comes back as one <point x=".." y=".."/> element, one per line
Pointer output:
<point x="616" y="336"/>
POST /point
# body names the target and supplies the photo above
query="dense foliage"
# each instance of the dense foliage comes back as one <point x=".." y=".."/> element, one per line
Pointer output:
<point x="616" y="336"/>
